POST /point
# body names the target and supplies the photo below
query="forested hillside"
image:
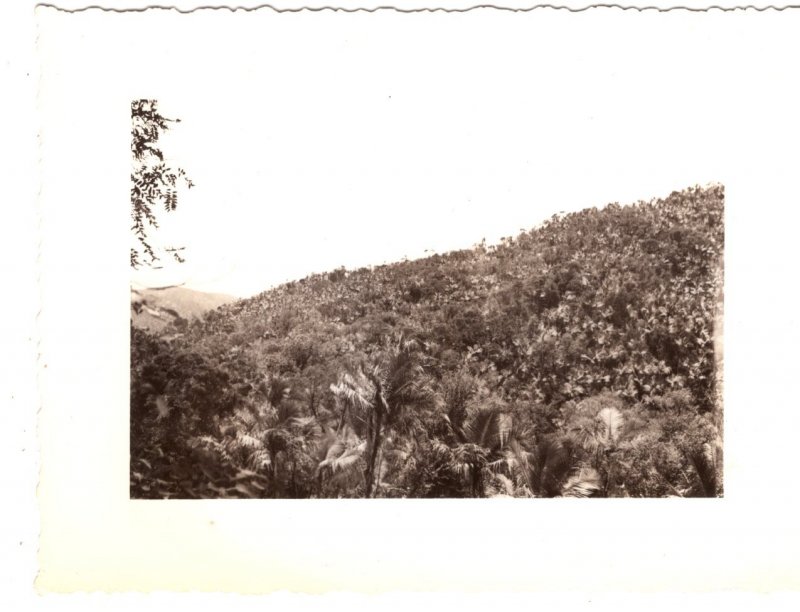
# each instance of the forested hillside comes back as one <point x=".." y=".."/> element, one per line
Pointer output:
<point x="576" y="359"/>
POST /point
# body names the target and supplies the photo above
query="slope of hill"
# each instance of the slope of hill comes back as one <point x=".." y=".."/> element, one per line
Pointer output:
<point x="155" y="309"/>
<point x="575" y="359"/>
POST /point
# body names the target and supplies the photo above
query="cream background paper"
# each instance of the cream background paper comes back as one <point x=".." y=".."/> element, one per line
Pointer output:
<point x="647" y="101"/>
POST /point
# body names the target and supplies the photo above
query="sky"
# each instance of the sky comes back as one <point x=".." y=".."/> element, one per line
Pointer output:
<point x="324" y="143"/>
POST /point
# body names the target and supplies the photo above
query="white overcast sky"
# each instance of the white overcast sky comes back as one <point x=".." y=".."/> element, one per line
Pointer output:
<point x="319" y="140"/>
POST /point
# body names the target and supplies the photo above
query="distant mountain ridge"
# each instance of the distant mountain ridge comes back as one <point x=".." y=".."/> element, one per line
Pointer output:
<point x="156" y="308"/>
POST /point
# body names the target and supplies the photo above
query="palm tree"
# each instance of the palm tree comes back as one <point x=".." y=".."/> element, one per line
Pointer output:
<point x="283" y="432"/>
<point x="547" y="470"/>
<point x="597" y="426"/>
<point x="499" y="456"/>
<point x="488" y="442"/>
<point x="377" y="394"/>
<point x="267" y="439"/>
<point x="485" y="433"/>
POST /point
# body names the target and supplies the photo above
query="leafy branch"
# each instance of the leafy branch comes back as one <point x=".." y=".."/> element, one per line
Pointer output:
<point x="154" y="183"/>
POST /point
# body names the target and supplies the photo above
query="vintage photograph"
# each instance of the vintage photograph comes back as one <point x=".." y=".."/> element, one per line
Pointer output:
<point x="580" y="357"/>
<point x="375" y="301"/>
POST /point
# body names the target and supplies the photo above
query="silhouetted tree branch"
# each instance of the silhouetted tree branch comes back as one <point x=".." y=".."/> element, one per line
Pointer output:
<point x="154" y="183"/>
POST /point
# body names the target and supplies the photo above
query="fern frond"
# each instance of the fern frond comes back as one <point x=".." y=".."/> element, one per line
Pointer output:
<point x="247" y="441"/>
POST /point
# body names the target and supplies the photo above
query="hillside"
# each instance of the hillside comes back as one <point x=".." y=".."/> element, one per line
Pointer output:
<point x="576" y="359"/>
<point x="155" y="308"/>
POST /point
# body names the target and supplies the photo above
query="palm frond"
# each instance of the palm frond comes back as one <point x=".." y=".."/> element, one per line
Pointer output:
<point x="551" y="465"/>
<point x="584" y="483"/>
<point x="458" y="389"/>
<point x="467" y="459"/>
<point x="518" y="461"/>
<point x="504" y="425"/>
<point x="471" y="453"/>
<point x="501" y="486"/>
<point x="342" y="458"/>
<point x="342" y="465"/>
<point x="337" y="452"/>
<point x="331" y="449"/>
<point x="489" y="427"/>
<point x="355" y="393"/>
<point x="611" y="422"/>
<point x="501" y="465"/>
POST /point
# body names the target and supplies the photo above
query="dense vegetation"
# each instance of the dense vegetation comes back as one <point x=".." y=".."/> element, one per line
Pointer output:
<point x="577" y="359"/>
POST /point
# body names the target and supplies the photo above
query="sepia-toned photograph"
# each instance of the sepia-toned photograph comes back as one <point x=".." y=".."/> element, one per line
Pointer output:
<point x="375" y="300"/>
<point x="581" y="357"/>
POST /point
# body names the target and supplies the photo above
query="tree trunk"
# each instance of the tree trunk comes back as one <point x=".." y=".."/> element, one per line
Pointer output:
<point x="273" y="476"/>
<point x="372" y="451"/>
<point x="312" y="401"/>
<point x="476" y="484"/>
<point x="379" y="469"/>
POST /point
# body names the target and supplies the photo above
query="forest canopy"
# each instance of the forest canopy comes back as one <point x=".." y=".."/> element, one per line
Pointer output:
<point x="574" y="360"/>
